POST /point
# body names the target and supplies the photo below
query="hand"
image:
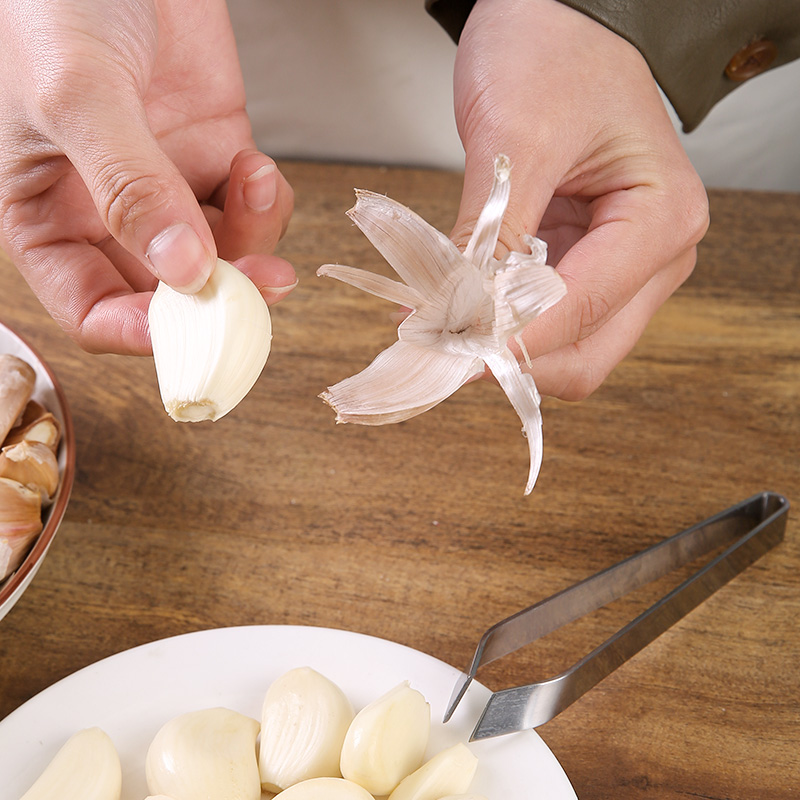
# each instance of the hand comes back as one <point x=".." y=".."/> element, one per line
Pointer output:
<point x="126" y="156"/>
<point x="597" y="172"/>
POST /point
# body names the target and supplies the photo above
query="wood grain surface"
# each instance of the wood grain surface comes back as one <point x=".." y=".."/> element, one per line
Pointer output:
<point x="419" y="532"/>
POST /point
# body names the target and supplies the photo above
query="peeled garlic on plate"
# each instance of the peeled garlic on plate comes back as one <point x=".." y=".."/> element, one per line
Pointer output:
<point x="387" y="740"/>
<point x="449" y="772"/>
<point x="209" y="347"/>
<point x="304" y="719"/>
<point x="207" y="753"/>
<point x="87" y="767"/>
<point x="325" y="789"/>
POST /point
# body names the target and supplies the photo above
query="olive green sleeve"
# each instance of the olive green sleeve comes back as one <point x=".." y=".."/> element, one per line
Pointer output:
<point x="698" y="52"/>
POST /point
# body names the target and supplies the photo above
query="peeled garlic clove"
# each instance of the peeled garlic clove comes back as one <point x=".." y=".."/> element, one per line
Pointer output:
<point x="87" y="767"/>
<point x="209" y="347"/>
<point x="20" y="523"/>
<point x="33" y="464"/>
<point x="304" y="720"/>
<point x="36" y="425"/>
<point x="207" y="753"/>
<point x="17" y="380"/>
<point x="326" y="789"/>
<point x="387" y="740"/>
<point x="447" y="773"/>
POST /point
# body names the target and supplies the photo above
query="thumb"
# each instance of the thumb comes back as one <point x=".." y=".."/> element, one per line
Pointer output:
<point x="139" y="193"/>
<point x="530" y="194"/>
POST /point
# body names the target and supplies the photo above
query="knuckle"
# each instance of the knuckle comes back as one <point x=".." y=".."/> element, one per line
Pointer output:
<point x="123" y="197"/>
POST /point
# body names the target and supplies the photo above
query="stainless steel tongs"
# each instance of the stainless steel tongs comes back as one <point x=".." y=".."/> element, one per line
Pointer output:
<point x="747" y="530"/>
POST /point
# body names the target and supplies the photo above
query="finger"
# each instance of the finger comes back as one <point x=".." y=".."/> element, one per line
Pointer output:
<point x="274" y="277"/>
<point x="140" y="195"/>
<point x="574" y="371"/>
<point x="258" y="204"/>
<point x="631" y="238"/>
<point x="88" y="298"/>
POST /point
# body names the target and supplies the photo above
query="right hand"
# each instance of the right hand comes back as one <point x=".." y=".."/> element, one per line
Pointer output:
<point x="126" y="156"/>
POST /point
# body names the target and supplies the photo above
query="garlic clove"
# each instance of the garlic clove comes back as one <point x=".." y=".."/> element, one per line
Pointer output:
<point x="210" y="347"/>
<point x="449" y="772"/>
<point x="36" y="425"/>
<point x="387" y="740"/>
<point x="17" y="380"/>
<point x="87" y="767"/>
<point x="206" y="753"/>
<point x="325" y="789"/>
<point x="304" y="720"/>
<point x="20" y="523"/>
<point x="33" y="464"/>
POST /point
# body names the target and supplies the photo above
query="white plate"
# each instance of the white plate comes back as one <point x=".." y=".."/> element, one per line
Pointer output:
<point x="130" y="695"/>
<point x="49" y="393"/>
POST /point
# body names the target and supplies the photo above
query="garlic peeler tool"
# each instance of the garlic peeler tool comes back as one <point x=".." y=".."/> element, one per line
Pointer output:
<point x="746" y="531"/>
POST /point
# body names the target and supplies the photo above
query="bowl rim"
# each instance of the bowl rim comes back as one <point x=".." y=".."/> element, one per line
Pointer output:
<point x="30" y="563"/>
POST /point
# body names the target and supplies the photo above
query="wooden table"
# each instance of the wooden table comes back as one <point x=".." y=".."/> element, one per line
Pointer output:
<point x="419" y="532"/>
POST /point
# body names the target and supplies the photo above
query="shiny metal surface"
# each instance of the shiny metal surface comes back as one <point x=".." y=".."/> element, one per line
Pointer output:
<point x="747" y="530"/>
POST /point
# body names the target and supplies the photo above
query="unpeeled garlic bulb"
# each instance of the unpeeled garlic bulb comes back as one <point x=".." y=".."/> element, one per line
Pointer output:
<point x="449" y="772"/>
<point x="33" y="464"/>
<point x="205" y="754"/>
<point x="325" y="789"/>
<point x="17" y="380"/>
<point x="304" y="719"/>
<point x="20" y="523"/>
<point x="87" y="767"/>
<point x="387" y="740"/>
<point x="210" y="347"/>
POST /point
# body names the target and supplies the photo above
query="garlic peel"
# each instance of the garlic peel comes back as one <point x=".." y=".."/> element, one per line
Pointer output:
<point x="210" y="347"/>
<point x="87" y="767"/>
<point x="387" y="740"/>
<point x="17" y="380"/>
<point x="304" y="719"/>
<point x="449" y="772"/>
<point x="206" y="753"/>
<point x="33" y="464"/>
<point x="465" y="309"/>
<point x="20" y="523"/>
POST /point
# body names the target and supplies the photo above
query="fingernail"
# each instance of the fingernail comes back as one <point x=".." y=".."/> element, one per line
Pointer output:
<point x="179" y="258"/>
<point x="260" y="188"/>
<point x="277" y="290"/>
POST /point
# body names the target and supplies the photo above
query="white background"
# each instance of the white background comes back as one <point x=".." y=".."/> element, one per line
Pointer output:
<point x="371" y="81"/>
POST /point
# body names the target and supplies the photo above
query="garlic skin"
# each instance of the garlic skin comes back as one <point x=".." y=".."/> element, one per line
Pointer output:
<point x="33" y="464"/>
<point x="325" y="789"/>
<point x="304" y="720"/>
<point x="449" y="772"/>
<point x="17" y="379"/>
<point x="87" y="767"/>
<point x="209" y="753"/>
<point x="20" y="523"/>
<point x="210" y="347"/>
<point x="387" y="740"/>
<point x="37" y="424"/>
<point x="466" y="307"/>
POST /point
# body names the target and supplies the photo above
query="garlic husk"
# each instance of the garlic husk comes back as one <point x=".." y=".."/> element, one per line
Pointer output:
<point x="325" y="789"/>
<point x="20" y="523"/>
<point x="387" y="740"/>
<point x="87" y="767"/>
<point x="207" y="753"/>
<point x="17" y="380"/>
<point x="304" y="719"/>
<point x="210" y="347"/>
<point x="37" y="424"/>
<point x="33" y="464"/>
<point x="449" y="772"/>
<point x="465" y="308"/>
